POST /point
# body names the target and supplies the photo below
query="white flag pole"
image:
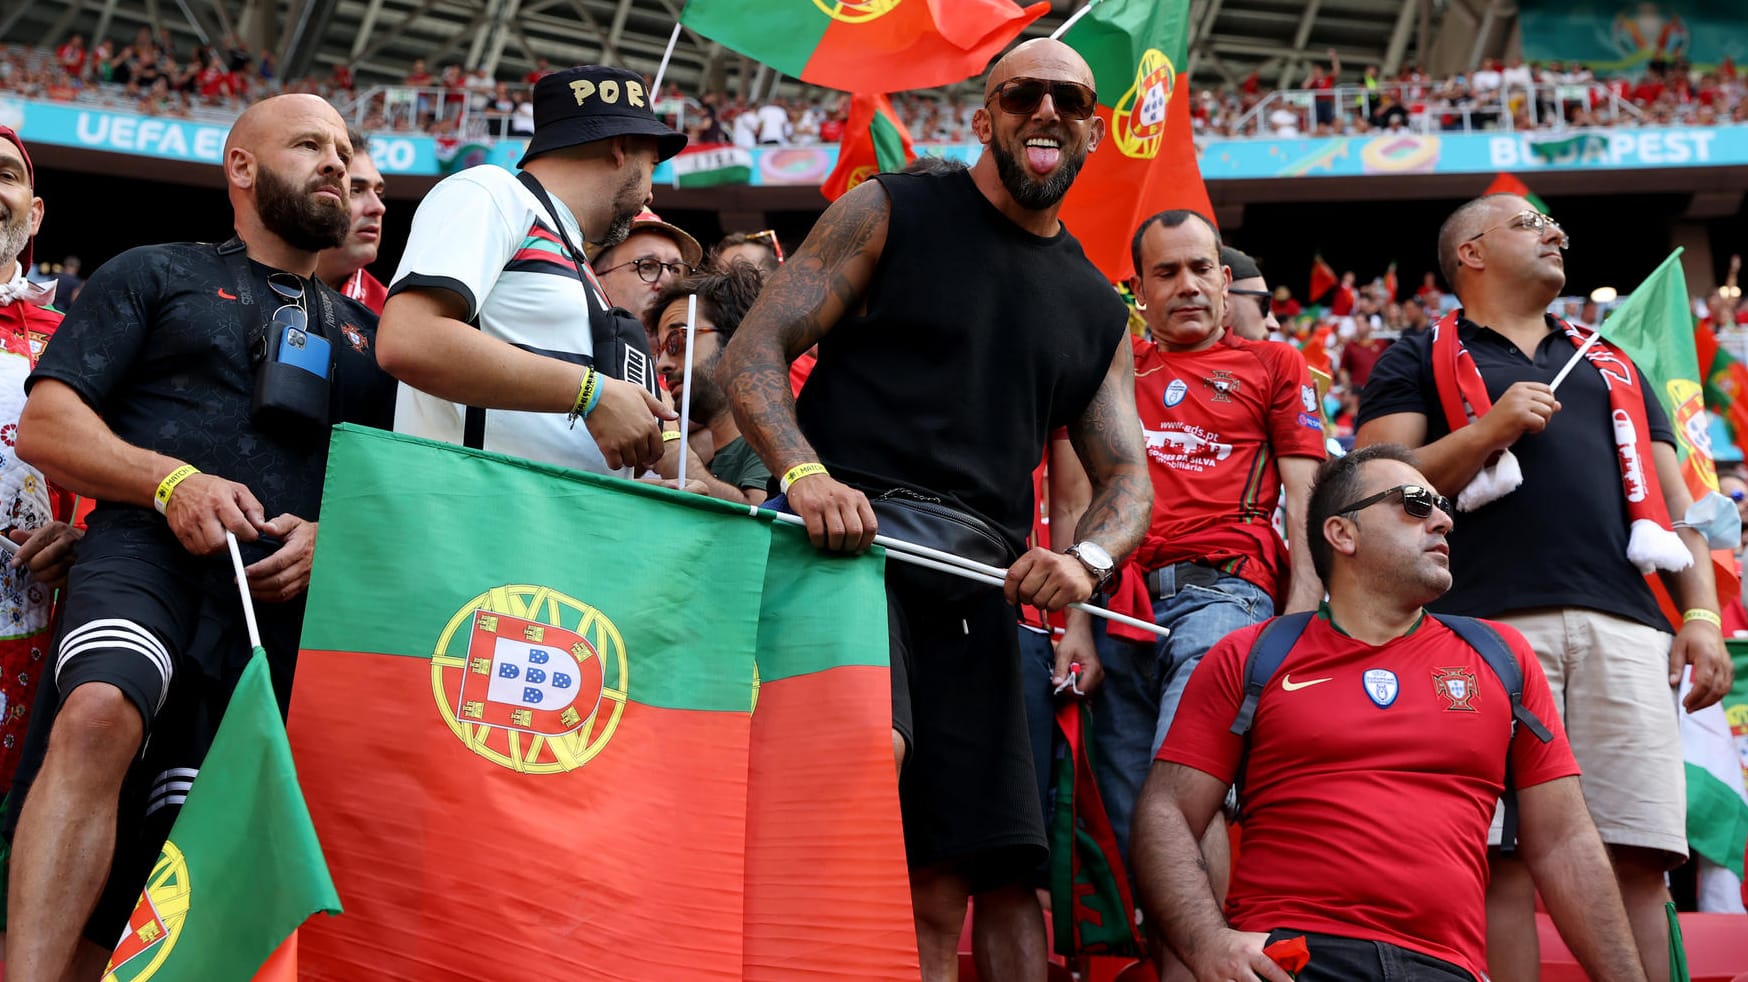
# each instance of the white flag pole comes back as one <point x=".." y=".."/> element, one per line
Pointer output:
<point x="673" y="39"/>
<point x="1577" y="356"/>
<point x="686" y="383"/>
<point x="243" y="589"/>
<point x="1077" y="15"/>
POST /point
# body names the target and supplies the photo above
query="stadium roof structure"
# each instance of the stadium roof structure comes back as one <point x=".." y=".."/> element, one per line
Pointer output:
<point x="381" y="38"/>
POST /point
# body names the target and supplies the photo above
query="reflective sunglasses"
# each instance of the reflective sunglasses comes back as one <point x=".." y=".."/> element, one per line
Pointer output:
<point x="1022" y="96"/>
<point x="1417" y="501"/>
<point x="650" y="269"/>
<point x="1533" y="221"/>
<point x="1261" y="297"/>
<point x="290" y="289"/>
<point x="675" y="344"/>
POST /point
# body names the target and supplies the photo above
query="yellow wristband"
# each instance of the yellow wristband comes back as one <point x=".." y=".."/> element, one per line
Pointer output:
<point x="161" y="498"/>
<point x="1702" y="614"/>
<point x="585" y="388"/>
<point x="669" y="436"/>
<point x="798" y="472"/>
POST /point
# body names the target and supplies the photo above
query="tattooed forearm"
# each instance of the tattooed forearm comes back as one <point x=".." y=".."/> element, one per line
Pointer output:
<point x="1107" y="438"/>
<point x="823" y="282"/>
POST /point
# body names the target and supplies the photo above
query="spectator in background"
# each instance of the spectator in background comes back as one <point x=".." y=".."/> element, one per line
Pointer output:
<point x="1249" y="314"/>
<point x="758" y="248"/>
<point x="1342" y="303"/>
<point x="1360" y="353"/>
<point x="731" y="470"/>
<point x="1322" y="86"/>
<point x="745" y="124"/>
<point x="774" y="125"/>
<point x="67" y="281"/>
<point x="633" y="272"/>
<point x="542" y="68"/>
<point x="71" y="56"/>
<point x="1285" y="308"/>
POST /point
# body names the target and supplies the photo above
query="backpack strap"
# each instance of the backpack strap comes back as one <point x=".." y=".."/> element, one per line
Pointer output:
<point x="1497" y="654"/>
<point x="1264" y="660"/>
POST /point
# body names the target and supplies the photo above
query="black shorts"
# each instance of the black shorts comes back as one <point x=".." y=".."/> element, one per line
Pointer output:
<point x="1339" y="959"/>
<point x="967" y="792"/>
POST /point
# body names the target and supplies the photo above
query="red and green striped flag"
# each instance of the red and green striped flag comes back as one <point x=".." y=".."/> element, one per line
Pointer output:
<point x="1137" y="50"/>
<point x="1504" y="183"/>
<point x="875" y="141"/>
<point x="865" y="45"/>
<point x="1726" y="384"/>
<point x="242" y="868"/>
<point x="555" y="726"/>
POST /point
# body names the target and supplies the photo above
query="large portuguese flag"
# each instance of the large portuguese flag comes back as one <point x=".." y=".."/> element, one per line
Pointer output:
<point x="1147" y="164"/>
<point x="865" y="45"/>
<point x="557" y="726"/>
<point x="875" y="141"/>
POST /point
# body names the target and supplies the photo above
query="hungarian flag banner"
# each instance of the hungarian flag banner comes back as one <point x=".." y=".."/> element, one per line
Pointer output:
<point x="712" y="164"/>
<point x="1717" y="802"/>
<point x="1654" y="327"/>
<point x="1509" y="184"/>
<point x="242" y="867"/>
<point x="1322" y="279"/>
<point x="865" y="45"/>
<point x="553" y="725"/>
<point x="1726" y="384"/>
<point x="875" y="141"/>
<point x="1147" y="162"/>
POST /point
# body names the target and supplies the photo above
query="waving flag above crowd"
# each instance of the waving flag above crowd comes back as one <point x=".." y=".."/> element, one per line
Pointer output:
<point x="875" y="140"/>
<point x="866" y="45"/>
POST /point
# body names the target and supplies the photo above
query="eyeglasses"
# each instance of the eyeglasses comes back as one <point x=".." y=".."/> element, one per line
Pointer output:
<point x="675" y="344"/>
<point x="1417" y="501"/>
<point x="1533" y="221"/>
<point x="769" y="235"/>
<point x="650" y="269"/>
<point x="1023" y="96"/>
<point x="1261" y="297"/>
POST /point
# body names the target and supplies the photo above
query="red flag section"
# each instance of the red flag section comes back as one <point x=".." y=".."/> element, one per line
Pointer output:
<point x="1322" y="279"/>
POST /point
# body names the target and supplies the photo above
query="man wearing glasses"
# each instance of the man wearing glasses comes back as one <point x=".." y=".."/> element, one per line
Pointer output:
<point x="1566" y="503"/>
<point x="145" y="402"/>
<point x="652" y="256"/>
<point x="1374" y="754"/>
<point x="958" y="323"/>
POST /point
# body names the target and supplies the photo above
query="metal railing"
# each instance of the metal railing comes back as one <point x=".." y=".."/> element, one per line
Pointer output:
<point x="461" y="113"/>
<point x="1431" y="108"/>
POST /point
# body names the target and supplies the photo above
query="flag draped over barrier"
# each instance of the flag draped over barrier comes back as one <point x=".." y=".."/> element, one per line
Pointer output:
<point x="552" y="725"/>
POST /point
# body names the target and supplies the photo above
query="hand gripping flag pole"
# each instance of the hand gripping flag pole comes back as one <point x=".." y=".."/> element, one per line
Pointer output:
<point x="1577" y="356"/>
<point x="946" y="562"/>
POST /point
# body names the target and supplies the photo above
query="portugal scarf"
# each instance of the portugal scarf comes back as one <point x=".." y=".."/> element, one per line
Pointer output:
<point x="1651" y="542"/>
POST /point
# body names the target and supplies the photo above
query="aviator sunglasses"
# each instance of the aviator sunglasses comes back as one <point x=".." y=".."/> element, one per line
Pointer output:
<point x="1022" y="96"/>
<point x="1417" y="501"/>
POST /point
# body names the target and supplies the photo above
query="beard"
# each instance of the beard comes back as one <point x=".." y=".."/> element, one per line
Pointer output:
<point x="14" y="234"/>
<point x="297" y="216"/>
<point x="627" y="205"/>
<point x="1028" y="191"/>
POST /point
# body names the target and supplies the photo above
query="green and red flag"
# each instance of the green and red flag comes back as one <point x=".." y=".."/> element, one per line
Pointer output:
<point x="865" y="45"/>
<point x="1726" y="384"/>
<point x="875" y="141"/>
<point x="1654" y="327"/>
<point x="1323" y="279"/>
<point x="1093" y="911"/>
<point x="1138" y="50"/>
<point x="242" y="867"/>
<point x="611" y="732"/>
<point x="1504" y="183"/>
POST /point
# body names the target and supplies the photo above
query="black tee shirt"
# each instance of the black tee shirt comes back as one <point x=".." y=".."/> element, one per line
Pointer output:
<point x="1559" y="540"/>
<point x="978" y="340"/>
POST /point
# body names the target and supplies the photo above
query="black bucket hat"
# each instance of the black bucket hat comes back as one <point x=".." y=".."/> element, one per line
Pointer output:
<point x="593" y="102"/>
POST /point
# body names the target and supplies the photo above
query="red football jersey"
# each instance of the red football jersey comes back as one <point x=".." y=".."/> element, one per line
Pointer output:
<point x="1372" y="779"/>
<point x="1215" y="423"/>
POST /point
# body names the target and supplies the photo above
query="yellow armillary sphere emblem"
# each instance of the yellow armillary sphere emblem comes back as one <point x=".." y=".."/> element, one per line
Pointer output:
<point x="856" y="11"/>
<point x="156" y="922"/>
<point x="530" y="679"/>
<point x="1138" y="118"/>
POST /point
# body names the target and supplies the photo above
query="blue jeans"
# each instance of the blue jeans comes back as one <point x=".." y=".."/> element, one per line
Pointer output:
<point x="1145" y="682"/>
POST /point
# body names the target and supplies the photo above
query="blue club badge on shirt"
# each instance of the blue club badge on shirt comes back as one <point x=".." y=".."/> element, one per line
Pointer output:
<point x="1381" y="686"/>
<point x="1175" y="392"/>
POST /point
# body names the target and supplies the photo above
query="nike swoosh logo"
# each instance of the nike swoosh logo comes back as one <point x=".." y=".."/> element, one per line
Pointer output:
<point x="225" y="296"/>
<point x="1292" y="686"/>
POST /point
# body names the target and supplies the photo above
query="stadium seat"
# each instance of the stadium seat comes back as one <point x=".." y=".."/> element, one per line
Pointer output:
<point x="1138" y="972"/>
<point x="1717" y="949"/>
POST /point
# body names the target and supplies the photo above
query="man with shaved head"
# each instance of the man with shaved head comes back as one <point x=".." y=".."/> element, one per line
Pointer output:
<point x="190" y="394"/>
<point x="1565" y="502"/>
<point x="958" y="323"/>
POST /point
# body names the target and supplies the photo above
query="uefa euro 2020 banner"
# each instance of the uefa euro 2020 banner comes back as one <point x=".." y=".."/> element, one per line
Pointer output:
<point x="1624" y="35"/>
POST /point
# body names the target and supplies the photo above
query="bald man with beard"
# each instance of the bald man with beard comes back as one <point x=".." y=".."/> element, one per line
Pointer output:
<point x="958" y="323"/>
<point x="142" y="402"/>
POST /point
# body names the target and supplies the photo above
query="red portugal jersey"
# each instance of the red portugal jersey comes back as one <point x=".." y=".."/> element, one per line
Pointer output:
<point x="1215" y="423"/>
<point x="366" y="289"/>
<point x="1372" y="780"/>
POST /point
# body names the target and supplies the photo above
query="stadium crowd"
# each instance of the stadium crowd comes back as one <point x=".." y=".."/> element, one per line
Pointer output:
<point x="1170" y="440"/>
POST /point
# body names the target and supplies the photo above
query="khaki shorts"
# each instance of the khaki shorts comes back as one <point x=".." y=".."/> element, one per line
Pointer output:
<point x="1610" y="679"/>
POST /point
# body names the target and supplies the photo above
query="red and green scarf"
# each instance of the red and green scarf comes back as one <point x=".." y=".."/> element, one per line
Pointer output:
<point x="1652" y="543"/>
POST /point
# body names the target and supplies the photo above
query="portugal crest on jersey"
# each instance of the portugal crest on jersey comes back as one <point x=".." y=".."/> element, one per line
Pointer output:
<point x="1457" y="687"/>
<point x="530" y="679"/>
<point x="156" y="922"/>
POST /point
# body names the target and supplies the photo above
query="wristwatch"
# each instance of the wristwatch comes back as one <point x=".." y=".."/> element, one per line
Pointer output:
<point x="1094" y="557"/>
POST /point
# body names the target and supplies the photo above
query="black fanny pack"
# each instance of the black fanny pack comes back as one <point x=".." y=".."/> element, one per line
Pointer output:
<point x="911" y="517"/>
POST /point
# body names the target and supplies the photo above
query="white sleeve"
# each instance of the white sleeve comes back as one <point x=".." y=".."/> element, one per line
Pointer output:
<point x="462" y="239"/>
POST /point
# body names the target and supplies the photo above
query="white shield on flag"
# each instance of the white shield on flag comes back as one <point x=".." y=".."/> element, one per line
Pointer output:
<point x="1153" y="105"/>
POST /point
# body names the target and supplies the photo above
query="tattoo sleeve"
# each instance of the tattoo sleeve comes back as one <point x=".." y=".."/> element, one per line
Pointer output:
<point x="1107" y="437"/>
<point x="823" y="282"/>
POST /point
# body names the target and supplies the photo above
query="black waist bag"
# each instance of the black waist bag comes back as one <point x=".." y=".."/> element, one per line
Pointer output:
<point x="923" y="522"/>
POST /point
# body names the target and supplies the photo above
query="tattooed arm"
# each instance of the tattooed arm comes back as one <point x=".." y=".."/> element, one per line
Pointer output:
<point x="1107" y="438"/>
<point x="824" y="281"/>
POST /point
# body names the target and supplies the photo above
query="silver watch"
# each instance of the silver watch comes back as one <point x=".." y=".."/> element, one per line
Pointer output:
<point x="1094" y="557"/>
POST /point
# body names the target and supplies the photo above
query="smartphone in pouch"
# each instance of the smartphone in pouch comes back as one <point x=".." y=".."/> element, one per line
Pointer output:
<point x="304" y="350"/>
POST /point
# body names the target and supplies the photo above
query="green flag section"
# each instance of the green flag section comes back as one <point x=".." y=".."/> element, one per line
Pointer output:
<point x="1094" y="911"/>
<point x="1509" y="184"/>
<point x="875" y="141"/>
<point x="525" y="718"/>
<point x="242" y="868"/>
<point x="711" y="166"/>
<point x="1147" y="163"/>
<point x="865" y="45"/>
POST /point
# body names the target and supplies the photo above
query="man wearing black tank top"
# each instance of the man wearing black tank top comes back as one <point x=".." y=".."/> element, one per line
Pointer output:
<point x="958" y="322"/>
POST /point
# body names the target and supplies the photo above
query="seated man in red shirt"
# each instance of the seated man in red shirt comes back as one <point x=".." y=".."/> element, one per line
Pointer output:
<point x="1370" y="772"/>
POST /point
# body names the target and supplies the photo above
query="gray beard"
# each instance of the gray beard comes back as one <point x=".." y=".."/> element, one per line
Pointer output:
<point x="14" y="233"/>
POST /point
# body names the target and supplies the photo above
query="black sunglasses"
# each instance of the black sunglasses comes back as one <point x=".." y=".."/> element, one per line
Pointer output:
<point x="1261" y="297"/>
<point x="1022" y="96"/>
<point x="1417" y="501"/>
